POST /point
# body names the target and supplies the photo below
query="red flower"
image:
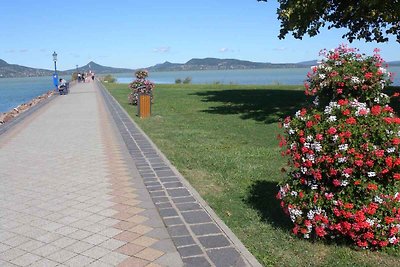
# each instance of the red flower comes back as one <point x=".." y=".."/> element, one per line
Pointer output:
<point x="336" y="182"/>
<point x="372" y="187"/>
<point x="376" y="110"/>
<point x="309" y="124"/>
<point x="362" y="244"/>
<point x="358" y="163"/>
<point x="396" y="176"/>
<point x="389" y="220"/>
<point x="346" y="112"/>
<point x="320" y="231"/>
<point x="396" y="141"/>
<point x="319" y="137"/>
<point x="368" y="75"/>
<point x="332" y="130"/>
<point x="351" y="120"/>
<point x="389" y="162"/>
<point x="379" y="153"/>
<point x="343" y="102"/>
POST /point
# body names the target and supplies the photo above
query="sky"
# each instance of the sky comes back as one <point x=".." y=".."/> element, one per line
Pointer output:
<point x="139" y="34"/>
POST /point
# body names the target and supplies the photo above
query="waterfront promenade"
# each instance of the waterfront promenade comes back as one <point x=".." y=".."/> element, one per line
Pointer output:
<point x="81" y="185"/>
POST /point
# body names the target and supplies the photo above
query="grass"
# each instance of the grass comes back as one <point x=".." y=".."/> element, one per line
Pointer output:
<point x="222" y="138"/>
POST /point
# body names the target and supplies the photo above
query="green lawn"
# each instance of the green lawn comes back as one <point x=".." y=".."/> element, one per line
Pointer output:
<point x="222" y="138"/>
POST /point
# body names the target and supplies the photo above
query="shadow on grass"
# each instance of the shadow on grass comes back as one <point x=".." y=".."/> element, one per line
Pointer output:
<point x="261" y="197"/>
<point x="264" y="105"/>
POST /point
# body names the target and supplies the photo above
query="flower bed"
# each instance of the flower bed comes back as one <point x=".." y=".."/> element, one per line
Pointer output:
<point x="140" y="86"/>
<point x="343" y="155"/>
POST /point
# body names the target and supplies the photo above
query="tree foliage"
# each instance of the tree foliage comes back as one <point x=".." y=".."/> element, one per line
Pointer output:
<point x="371" y="20"/>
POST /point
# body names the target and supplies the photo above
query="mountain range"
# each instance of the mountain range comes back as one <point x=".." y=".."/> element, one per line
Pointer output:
<point x="13" y="70"/>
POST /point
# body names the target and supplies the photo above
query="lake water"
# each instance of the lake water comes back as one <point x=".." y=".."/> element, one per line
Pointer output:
<point x="259" y="76"/>
<point x="15" y="91"/>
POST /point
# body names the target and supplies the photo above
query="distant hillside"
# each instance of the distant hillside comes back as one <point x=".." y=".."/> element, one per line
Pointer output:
<point x="99" y="69"/>
<point x="224" y="64"/>
<point x="394" y="63"/>
<point x="13" y="70"/>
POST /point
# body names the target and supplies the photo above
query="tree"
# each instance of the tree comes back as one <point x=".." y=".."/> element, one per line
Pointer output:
<point x="371" y="20"/>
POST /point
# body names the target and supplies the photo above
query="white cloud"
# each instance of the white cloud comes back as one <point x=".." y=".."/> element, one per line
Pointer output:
<point x="280" y="48"/>
<point x="163" y="49"/>
<point x="225" y="49"/>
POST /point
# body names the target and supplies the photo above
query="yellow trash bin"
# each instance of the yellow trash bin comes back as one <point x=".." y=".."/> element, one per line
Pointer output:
<point x="144" y="106"/>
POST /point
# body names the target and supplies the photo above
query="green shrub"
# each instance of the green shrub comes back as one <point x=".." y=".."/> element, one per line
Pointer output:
<point x="109" y="79"/>
<point x="187" y="80"/>
<point x="343" y="152"/>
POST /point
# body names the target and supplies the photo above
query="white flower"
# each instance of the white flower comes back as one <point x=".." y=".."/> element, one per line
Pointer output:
<point x="292" y="146"/>
<point x="370" y="222"/>
<point x="342" y="160"/>
<point x="310" y="215"/>
<point x="343" y="147"/>
<point x="291" y="131"/>
<point x="294" y="193"/>
<point x="383" y="70"/>
<point x="316" y="146"/>
<point x="377" y="199"/>
<point x="314" y="187"/>
<point x="306" y="236"/>
<point x="344" y="183"/>
<point x="322" y="76"/>
<point x="307" y="145"/>
<point x="332" y="118"/>
<point x="355" y="80"/>
<point x="316" y="101"/>
<point x="392" y="239"/>
<point x="310" y="138"/>
<point x="335" y="137"/>
<point x="371" y="174"/>
<point x="338" y="63"/>
<point x="286" y="125"/>
<point x="391" y="150"/>
<point x="303" y="170"/>
<point x="298" y="114"/>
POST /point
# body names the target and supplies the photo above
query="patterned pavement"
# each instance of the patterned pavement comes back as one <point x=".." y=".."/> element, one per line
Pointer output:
<point x="83" y="186"/>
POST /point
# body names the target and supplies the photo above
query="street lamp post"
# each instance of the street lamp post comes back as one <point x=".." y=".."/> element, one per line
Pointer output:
<point x="55" y="75"/>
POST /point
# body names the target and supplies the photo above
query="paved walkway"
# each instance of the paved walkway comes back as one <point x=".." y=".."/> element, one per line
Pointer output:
<point x="81" y="185"/>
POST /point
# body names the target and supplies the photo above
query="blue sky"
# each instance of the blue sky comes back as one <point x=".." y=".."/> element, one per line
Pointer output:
<point x="137" y="34"/>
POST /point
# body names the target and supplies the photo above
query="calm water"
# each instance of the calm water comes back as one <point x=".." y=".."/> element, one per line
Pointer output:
<point x="15" y="91"/>
<point x="260" y="76"/>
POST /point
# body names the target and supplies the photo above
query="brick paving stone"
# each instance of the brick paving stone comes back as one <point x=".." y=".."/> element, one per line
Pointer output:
<point x="130" y="249"/>
<point x="44" y="263"/>
<point x="214" y="241"/>
<point x="149" y="254"/>
<point x="196" y="262"/>
<point x="224" y="257"/>
<point x="193" y="217"/>
<point x="26" y="259"/>
<point x="133" y="262"/>
<point x="205" y="229"/>
<point x="112" y="207"/>
<point x="190" y="251"/>
<point x="113" y="258"/>
<point x="79" y="260"/>
<point x="96" y="252"/>
<point x="127" y="236"/>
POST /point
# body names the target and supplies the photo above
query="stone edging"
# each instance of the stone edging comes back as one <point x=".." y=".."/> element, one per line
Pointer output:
<point x="246" y="255"/>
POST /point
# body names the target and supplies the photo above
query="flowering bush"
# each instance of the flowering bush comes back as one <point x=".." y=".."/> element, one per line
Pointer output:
<point x="344" y="156"/>
<point x="140" y="86"/>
